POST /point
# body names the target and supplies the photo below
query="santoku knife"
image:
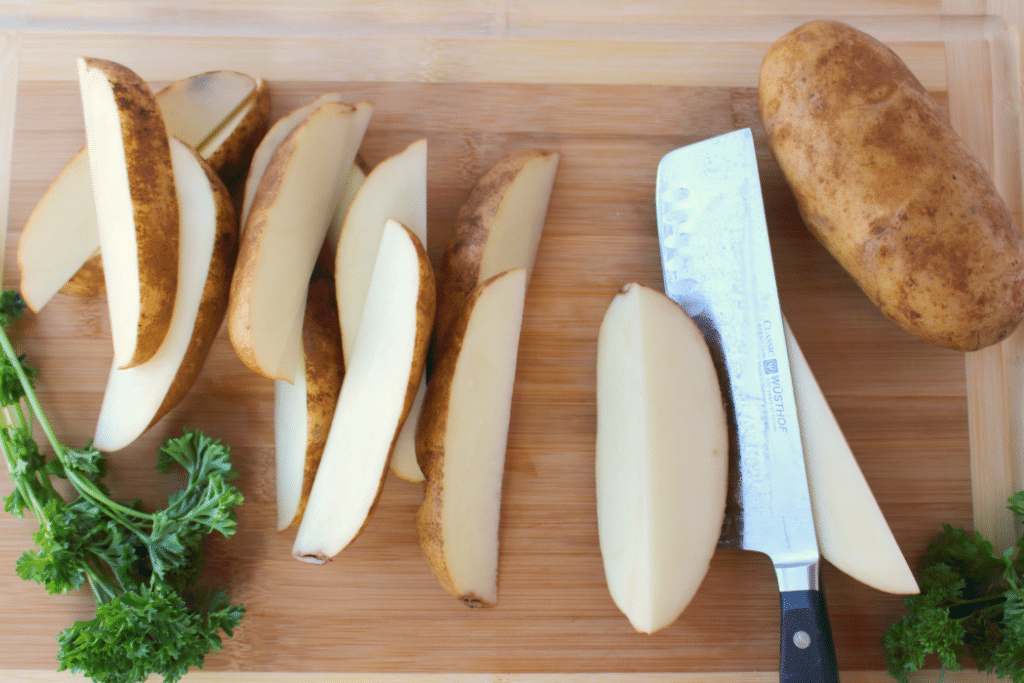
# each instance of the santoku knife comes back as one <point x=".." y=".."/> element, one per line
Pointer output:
<point x="717" y="265"/>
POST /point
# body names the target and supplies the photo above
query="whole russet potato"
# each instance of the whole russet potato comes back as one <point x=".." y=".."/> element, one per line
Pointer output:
<point x="889" y="188"/>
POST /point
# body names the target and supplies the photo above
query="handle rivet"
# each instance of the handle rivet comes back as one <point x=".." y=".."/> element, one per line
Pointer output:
<point x="802" y="639"/>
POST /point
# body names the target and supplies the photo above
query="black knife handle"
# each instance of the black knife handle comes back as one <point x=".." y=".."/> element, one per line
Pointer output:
<point x="808" y="655"/>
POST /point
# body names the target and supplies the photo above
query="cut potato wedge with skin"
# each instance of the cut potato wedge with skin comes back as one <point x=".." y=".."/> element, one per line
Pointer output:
<point x="273" y="138"/>
<point x="397" y="189"/>
<point x="304" y="408"/>
<point x="662" y="456"/>
<point x="61" y="234"/>
<point x="287" y="224"/>
<point x="462" y="438"/>
<point x="852" y="532"/>
<point x="136" y="398"/>
<point x="222" y="115"/>
<point x="329" y="252"/>
<point x="498" y="228"/>
<point x="380" y="382"/>
<point x="136" y="205"/>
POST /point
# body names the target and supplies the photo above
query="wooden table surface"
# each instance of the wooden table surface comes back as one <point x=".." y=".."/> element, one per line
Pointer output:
<point x="613" y="86"/>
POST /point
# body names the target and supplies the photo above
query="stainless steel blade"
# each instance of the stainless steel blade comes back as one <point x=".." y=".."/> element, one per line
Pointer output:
<point x="717" y="265"/>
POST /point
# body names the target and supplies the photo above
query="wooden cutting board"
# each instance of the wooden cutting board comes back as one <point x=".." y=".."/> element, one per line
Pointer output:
<point x="376" y="608"/>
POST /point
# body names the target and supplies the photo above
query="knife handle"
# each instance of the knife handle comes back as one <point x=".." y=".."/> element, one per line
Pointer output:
<point x="808" y="655"/>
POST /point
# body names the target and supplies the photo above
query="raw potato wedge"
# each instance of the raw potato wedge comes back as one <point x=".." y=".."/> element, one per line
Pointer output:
<point x="136" y="204"/>
<point x="329" y="252"/>
<point x="60" y="235"/>
<point x="852" y="532"/>
<point x="498" y="228"/>
<point x="223" y="115"/>
<point x="662" y="456"/>
<point x="304" y="407"/>
<point x="137" y="397"/>
<point x="395" y="189"/>
<point x="462" y="437"/>
<point x="273" y="138"/>
<point x="294" y="204"/>
<point x="380" y="382"/>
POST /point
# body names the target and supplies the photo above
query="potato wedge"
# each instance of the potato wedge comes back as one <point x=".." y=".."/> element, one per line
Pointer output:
<point x="498" y="228"/>
<point x="662" y="456"/>
<point x="329" y="252"/>
<point x="397" y="189"/>
<point x="273" y="138"/>
<point x="223" y="115"/>
<point x="136" y="205"/>
<point x="380" y="382"/>
<point x="137" y="397"/>
<point x="304" y="407"/>
<point x="293" y="206"/>
<point x="462" y="436"/>
<point x="223" y="111"/>
<point x="852" y="532"/>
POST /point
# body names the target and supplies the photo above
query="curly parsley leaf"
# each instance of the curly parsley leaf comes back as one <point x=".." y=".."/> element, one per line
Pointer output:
<point x="143" y="567"/>
<point x="971" y="604"/>
<point x="161" y="631"/>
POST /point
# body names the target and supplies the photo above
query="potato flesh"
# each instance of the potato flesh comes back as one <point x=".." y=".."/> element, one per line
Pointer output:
<point x="290" y="437"/>
<point x="661" y="461"/>
<point x="515" y="235"/>
<point x="291" y="216"/>
<point x="115" y="209"/>
<point x="852" y="532"/>
<point x="269" y="144"/>
<point x="190" y="105"/>
<point x="60" y="236"/>
<point x="397" y="189"/>
<point x="371" y="404"/>
<point x="473" y="392"/>
<point x="134" y="395"/>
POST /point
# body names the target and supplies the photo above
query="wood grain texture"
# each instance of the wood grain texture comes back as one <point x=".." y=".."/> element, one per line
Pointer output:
<point x="478" y="84"/>
<point x="377" y="608"/>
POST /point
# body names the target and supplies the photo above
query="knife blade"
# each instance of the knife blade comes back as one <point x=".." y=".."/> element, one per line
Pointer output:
<point x="717" y="265"/>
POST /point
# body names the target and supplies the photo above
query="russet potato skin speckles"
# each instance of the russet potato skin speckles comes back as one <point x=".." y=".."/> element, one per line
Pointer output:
<point x="459" y="270"/>
<point x="321" y="344"/>
<point x="214" y="303"/>
<point x="889" y="188"/>
<point x="231" y="159"/>
<point x="154" y="201"/>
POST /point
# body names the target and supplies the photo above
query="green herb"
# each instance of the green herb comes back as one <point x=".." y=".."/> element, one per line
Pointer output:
<point x="971" y="605"/>
<point x="143" y="567"/>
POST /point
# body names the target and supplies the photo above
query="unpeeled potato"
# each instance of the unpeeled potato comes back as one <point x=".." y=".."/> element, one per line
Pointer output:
<point x="889" y="188"/>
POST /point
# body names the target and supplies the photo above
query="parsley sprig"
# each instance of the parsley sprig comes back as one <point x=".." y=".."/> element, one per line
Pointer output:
<point x="143" y="567"/>
<point x="971" y="604"/>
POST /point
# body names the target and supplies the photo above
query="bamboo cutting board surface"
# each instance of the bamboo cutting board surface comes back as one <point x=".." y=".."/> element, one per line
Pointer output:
<point x="376" y="608"/>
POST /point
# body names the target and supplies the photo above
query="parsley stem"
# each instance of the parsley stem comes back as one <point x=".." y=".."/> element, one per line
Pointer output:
<point x="30" y="396"/>
<point x="82" y="484"/>
<point x="23" y="487"/>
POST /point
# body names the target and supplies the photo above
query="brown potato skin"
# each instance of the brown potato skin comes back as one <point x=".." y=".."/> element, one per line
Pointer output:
<point x="214" y="303"/>
<point x="154" y="199"/>
<point x="87" y="280"/>
<point x="458" y="272"/>
<point x="231" y="160"/>
<point x="430" y="447"/>
<point x="321" y="343"/>
<point x="888" y="187"/>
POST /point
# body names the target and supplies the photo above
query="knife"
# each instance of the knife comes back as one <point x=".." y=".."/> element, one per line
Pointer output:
<point x="717" y="265"/>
